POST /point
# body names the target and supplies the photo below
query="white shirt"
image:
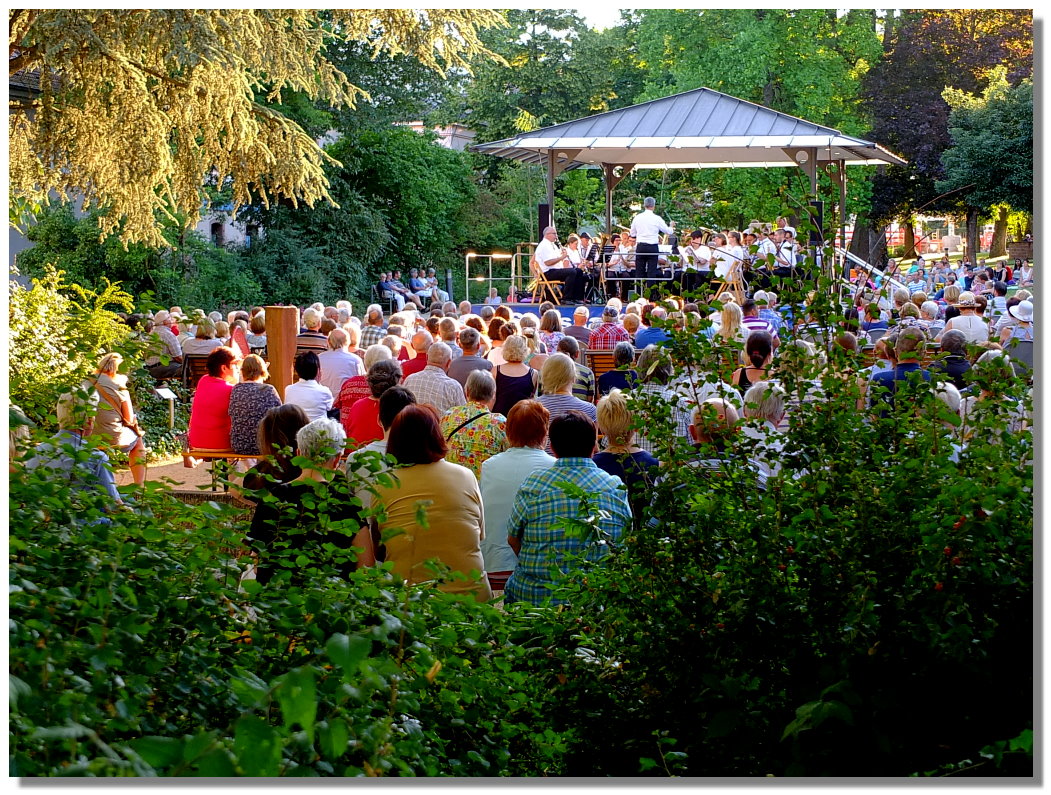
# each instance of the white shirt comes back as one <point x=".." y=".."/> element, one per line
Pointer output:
<point x="314" y="399"/>
<point x="647" y="226"/>
<point x="575" y="257"/>
<point x="766" y="246"/>
<point x="624" y="258"/>
<point x="336" y="367"/>
<point x="698" y="258"/>
<point x="546" y="250"/>
<point x="723" y="263"/>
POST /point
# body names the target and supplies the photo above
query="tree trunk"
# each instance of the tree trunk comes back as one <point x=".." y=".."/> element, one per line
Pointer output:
<point x="999" y="245"/>
<point x="972" y="234"/>
<point x="867" y="243"/>
<point x="910" y="238"/>
<point x="1028" y="224"/>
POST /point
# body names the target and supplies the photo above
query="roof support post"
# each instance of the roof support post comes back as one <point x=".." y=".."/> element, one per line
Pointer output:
<point x="611" y="181"/>
<point x="837" y="172"/>
<point x="554" y="168"/>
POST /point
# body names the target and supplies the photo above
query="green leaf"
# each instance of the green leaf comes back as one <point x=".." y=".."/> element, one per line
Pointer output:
<point x="251" y="691"/>
<point x="348" y="652"/>
<point x="16" y="688"/>
<point x="257" y="747"/>
<point x="297" y="696"/>
<point x="158" y="752"/>
<point x="333" y="737"/>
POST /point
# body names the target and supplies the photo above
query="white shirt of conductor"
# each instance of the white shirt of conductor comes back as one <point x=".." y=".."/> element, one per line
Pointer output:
<point x="548" y="253"/>
<point x="647" y="226"/>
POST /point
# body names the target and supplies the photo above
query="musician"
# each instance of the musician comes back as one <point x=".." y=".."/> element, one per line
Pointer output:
<point x="609" y="248"/>
<point x="697" y="269"/>
<point x="555" y="264"/>
<point x="785" y="254"/>
<point x="646" y="228"/>
<point x="589" y="255"/>
<point x="621" y="263"/>
<point x="722" y="262"/>
<point x="589" y="250"/>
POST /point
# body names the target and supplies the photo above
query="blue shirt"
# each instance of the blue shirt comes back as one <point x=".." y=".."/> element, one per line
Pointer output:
<point x="890" y="378"/>
<point x="650" y="336"/>
<point x="540" y="503"/>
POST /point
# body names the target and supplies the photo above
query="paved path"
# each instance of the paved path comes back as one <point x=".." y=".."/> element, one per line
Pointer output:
<point x="189" y="479"/>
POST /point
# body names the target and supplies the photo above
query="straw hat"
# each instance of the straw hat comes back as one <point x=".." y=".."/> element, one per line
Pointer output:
<point x="1022" y="311"/>
<point x="966" y="300"/>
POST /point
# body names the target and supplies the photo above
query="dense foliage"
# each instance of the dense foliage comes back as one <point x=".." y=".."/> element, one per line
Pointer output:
<point x="868" y="613"/>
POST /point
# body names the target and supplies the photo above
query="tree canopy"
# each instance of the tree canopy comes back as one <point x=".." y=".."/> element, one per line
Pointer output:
<point x="992" y="144"/>
<point x="136" y="107"/>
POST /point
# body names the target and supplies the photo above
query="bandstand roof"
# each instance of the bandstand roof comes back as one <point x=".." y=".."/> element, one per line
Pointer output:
<point x="701" y="128"/>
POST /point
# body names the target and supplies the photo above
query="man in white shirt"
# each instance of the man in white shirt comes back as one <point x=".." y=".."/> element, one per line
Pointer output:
<point x="646" y="228"/>
<point x="338" y="363"/>
<point x="307" y="393"/>
<point x="553" y="262"/>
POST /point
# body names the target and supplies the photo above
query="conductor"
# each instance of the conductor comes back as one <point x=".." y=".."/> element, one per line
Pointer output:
<point x="646" y="228"/>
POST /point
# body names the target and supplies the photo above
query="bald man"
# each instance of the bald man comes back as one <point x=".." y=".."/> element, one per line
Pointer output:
<point x="554" y="263"/>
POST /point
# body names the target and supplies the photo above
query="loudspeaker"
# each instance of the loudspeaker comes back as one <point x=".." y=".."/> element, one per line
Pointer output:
<point x="543" y="213"/>
<point x="817" y="220"/>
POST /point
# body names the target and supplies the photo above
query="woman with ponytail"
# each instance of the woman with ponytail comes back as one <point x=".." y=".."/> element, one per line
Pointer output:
<point x="759" y="349"/>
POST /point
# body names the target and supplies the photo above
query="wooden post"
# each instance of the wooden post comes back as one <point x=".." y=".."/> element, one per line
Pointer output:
<point x="282" y="327"/>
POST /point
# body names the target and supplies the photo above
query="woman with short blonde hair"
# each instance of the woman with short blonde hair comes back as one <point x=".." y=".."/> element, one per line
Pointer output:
<point x="250" y="400"/>
<point x="621" y="456"/>
<point x="557" y="378"/>
<point x="515" y="380"/>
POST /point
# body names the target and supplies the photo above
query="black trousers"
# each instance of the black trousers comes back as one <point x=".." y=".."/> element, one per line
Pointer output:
<point x="572" y="278"/>
<point x="646" y="262"/>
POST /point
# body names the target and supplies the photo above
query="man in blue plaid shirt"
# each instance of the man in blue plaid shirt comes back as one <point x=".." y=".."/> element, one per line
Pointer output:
<point x="543" y="548"/>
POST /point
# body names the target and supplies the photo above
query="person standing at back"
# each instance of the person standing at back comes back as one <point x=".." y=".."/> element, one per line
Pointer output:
<point x="646" y="228"/>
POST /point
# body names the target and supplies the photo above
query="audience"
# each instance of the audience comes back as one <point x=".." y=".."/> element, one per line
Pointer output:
<point x="432" y="385"/>
<point x="557" y="378"/>
<point x="338" y="363"/>
<point x="115" y="419"/>
<point x="473" y="432"/>
<point x="463" y="366"/>
<point x="621" y="457"/>
<point x="624" y="377"/>
<point x="363" y="422"/>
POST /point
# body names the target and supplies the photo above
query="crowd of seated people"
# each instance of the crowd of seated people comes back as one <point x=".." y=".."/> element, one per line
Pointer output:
<point x="477" y="415"/>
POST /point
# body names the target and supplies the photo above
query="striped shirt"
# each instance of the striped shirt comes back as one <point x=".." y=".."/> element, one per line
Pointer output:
<point x="759" y="324"/>
<point x="680" y="419"/>
<point x="540" y="503"/>
<point x="556" y="404"/>
<point x="584" y="386"/>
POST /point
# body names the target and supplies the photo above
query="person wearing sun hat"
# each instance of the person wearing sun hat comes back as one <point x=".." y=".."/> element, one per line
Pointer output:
<point x="967" y="322"/>
<point x="1023" y="328"/>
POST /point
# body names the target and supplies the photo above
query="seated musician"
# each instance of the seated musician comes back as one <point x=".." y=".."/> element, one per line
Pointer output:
<point x="621" y="265"/>
<point x="697" y="268"/>
<point x="555" y="263"/>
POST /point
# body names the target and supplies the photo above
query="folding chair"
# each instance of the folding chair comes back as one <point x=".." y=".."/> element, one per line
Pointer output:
<point x="542" y="288"/>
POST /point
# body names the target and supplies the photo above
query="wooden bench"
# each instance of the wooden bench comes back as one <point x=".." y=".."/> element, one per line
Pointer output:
<point x="215" y="456"/>
<point x="194" y="367"/>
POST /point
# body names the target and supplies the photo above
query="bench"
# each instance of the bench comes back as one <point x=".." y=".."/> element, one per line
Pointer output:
<point x="216" y="457"/>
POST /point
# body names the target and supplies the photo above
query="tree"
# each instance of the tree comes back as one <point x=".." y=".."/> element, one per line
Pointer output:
<point x="804" y="63"/>
<point x="990" y="161"/>
<point x="135" y="108"/>
<point x="925" y="52"/>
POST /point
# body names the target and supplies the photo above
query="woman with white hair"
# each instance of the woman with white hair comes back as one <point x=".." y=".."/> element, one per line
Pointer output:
<point x="991" y="373"/>
<point x="357" y="387"/>
<point x="930" y="319"/>
<point x="765" y="402"/>
<point x="473" y="432"/>
<point x="311" y="511"/>
<point x="115" y="418"/>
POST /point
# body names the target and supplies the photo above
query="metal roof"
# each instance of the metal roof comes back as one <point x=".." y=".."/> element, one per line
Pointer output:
<point x="701" y="128"/>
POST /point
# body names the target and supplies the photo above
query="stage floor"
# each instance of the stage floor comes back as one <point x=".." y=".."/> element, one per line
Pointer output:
<point x="594" y="310"/>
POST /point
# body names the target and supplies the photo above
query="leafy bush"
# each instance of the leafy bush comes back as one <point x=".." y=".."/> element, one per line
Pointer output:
<point x="57" y="333"/>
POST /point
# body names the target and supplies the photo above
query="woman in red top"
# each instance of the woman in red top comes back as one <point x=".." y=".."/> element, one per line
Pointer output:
<point x="357" y="387"/>
<point x="363" y="422"/>
<point x="209" y="413"/>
